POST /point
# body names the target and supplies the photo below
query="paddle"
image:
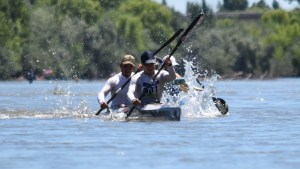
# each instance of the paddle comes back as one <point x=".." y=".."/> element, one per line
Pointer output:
<point x="221" y="105"/>
<point x="219" y="102"/>
<point x="128" y="80"/>
<point x="196" y="22"/>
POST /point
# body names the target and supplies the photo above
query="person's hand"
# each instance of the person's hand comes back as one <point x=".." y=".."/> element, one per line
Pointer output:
<point x="167" y="60"/>
<point x="103" y="105"/>
<point x="184" y="87"/>
<point x="140" y="67"/>
<point x="136" y="102"/>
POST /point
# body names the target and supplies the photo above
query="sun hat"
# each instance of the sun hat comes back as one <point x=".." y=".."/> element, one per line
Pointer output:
<point x="128" y="59"/>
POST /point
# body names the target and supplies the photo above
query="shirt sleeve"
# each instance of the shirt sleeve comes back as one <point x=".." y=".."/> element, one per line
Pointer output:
<point x="169" y="75"/>
<point x="135" y="87"/>
<point x="104" y="91"/>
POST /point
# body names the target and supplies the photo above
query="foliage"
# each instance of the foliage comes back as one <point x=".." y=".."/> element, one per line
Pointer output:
<point x="261" y="4"/>
<point x="194" y="9"/>
<point x="85" y="39"/>
<point x="147" y="19"/>
<point x="275" y="5"/>
<point x="284" y="36"/>
<point x="233" y="5"/>
<point x="14" y="31"/>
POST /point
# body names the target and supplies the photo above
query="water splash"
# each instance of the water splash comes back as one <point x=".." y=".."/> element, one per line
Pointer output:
<point x="56" y="99"/>
<point x="195" y="103"/>
<point x="67" y="99"/>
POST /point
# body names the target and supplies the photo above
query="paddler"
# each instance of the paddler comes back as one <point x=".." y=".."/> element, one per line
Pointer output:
<point x="144" y="82"/>
<point x="179" y="84"/>
<point x="114" y="83"/>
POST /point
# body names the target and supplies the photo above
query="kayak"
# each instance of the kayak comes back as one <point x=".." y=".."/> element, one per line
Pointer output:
<point x="161" y="110"/>
<point x="149" y="112"/>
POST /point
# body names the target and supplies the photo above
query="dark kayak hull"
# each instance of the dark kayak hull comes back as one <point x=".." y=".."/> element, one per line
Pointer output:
<point x="162" y="111"/>
<point x="149" y="112"/>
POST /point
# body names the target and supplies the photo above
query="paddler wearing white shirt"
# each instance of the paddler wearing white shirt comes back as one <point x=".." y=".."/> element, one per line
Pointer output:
<point x="114" y="83"/>
<point x="179" y="84"/>
<point x="143" y="81"/>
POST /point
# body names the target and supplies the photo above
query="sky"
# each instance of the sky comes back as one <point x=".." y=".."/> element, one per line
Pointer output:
<point x="180" y="5"/>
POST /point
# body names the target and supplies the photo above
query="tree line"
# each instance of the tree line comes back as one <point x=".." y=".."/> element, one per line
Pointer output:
<point x="85" y="39"/>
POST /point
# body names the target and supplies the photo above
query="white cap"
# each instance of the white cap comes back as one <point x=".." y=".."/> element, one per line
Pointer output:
<point x="173" y="60"/>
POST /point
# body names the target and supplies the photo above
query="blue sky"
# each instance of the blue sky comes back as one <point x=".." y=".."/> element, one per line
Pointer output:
<point x="180" y="5"/>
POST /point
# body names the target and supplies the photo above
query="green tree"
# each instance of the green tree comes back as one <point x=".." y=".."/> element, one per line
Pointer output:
<point x="178" y="20"/>
<point x="233" y="5"/>
<point x="261" y="4"/>
<point x="40" y="52"/>
<point x="87" y="10"/>
<point x="101" y="45"/>
<point x="86" y="39"/>
<point x="283" y="37"/>
<point x="109" y="4"/>
<point x="151" y="20"/>
<point x="194" y="9"/>
<point x="14" y="19"/>
<point x="275" y="5"/>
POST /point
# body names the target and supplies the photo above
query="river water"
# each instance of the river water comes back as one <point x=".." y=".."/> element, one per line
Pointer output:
<point x="51" y="124"/>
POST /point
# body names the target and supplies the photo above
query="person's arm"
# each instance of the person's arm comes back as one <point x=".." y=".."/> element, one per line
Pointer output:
<point x="170" y="74"/>
<point x="133" y="90"/>
<point x="103" y="93"/>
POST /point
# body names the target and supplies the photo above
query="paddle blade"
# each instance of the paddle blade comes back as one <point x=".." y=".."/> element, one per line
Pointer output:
<point x="221" y="105"/>
<point x="194" y="25"/>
